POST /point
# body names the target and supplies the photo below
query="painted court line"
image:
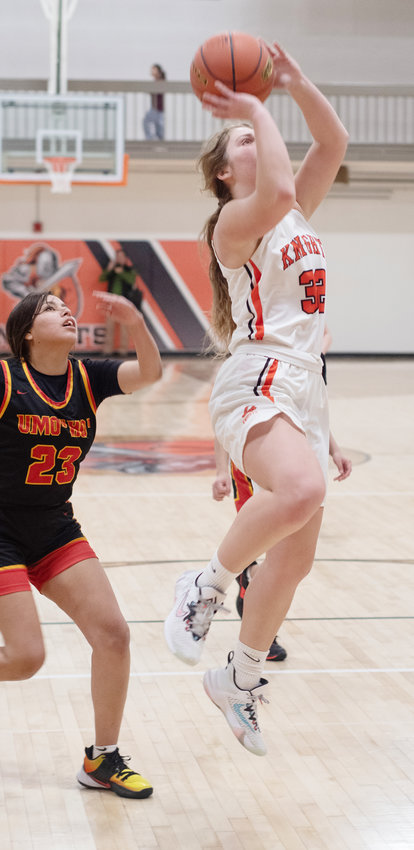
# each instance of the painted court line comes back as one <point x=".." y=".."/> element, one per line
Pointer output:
<point x="334" y="671"/>
<point x="354" y="494"/>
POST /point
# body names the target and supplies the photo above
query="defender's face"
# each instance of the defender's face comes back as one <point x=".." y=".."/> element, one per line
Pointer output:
<point x="54" y="323"/>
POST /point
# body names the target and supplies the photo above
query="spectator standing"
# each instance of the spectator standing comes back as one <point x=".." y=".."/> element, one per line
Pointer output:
<point x="154" y="118"/>
<point x="120" y="275"/>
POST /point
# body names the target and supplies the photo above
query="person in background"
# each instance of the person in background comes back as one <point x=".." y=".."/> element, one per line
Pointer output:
<point x="154" y="118"/>
<point x="48" y="403"/>
<point x="326" y="344"/>
<point x="120" y="275"/>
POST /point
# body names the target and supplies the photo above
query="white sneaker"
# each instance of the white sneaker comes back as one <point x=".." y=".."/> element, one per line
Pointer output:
<point x="187" y="625"/>
<point x="238" y="705"/>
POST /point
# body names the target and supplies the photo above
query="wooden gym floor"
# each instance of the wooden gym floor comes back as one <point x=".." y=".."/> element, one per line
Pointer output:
<point x="340" y="725"/>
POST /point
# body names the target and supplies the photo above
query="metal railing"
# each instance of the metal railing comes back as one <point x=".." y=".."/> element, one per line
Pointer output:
<point x="380" y="119"/>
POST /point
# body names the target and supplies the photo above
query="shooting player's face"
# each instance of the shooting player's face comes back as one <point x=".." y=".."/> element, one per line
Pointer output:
<point x="54" y="324"/>
<point x="240" y="170"/>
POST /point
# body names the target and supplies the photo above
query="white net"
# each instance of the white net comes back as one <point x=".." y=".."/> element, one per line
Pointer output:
<point x="61" y="170"/>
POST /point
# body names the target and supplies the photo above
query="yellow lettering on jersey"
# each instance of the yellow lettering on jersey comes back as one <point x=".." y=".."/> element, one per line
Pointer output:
<point x="51" y="426"/>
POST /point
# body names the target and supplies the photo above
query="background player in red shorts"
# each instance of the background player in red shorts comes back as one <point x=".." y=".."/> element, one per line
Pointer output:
<point x="48" y="403"/>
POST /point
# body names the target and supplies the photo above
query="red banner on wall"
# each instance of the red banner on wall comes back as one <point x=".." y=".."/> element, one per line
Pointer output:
<point x="171" y="274"/>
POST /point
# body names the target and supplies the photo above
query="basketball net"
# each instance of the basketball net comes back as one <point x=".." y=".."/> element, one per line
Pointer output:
<point x="61" y="170"/>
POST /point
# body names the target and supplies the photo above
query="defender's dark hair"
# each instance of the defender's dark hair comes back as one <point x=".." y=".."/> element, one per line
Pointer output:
<point x="21" y="320"/>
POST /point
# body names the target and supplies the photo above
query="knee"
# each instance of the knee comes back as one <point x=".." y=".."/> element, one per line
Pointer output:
<point x="114" y="638"/>
<point x="304" y="499"/>
<point x="312" y="495"/>
<point x="24" y="665"/>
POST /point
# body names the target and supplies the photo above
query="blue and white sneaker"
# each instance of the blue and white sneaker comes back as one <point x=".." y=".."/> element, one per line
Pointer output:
<point x="238" y="705"/>
<point x="187" y="625"/>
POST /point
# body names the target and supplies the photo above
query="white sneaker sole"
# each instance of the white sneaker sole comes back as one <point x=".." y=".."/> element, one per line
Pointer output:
<point x="238" y="732"/>
<point x="171" y="646"/>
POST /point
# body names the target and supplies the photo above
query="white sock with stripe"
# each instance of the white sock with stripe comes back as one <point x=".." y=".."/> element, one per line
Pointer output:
<point x="100" y="751"/>
<point x="215" y="575"/>
<point x="248" y="665"/>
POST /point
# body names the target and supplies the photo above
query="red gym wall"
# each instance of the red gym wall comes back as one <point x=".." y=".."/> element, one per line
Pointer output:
<point x="172" y="275"/>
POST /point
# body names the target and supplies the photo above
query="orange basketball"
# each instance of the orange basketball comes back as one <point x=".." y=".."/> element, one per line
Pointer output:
<point x="237" y="59"/>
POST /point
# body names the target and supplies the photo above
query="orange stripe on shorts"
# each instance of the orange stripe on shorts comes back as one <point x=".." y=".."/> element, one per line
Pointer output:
<point x="269" y="378"/>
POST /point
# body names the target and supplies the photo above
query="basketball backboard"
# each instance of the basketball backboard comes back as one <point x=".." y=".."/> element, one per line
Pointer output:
<point x="42" y="135"/>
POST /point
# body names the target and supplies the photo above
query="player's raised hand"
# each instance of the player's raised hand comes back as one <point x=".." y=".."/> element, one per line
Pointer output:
<point x="230" y="104"/>
<point x="286" y="71"/>
<point x="117" y="307"/>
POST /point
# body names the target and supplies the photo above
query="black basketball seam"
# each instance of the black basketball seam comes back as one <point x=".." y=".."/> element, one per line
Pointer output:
<point x="255" y="70"/>
<point x="232" y="61"/>
<point x="206" y="65"/>
<point x="245" y="79"/>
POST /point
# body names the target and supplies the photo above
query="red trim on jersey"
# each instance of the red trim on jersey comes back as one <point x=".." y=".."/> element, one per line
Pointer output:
<point x="7" y="386"/>
<point x="57" y="405"/>
<point x="242" y="486"/>
<point x="88" y="388"/>
<point x="269" y="378"/>
<point x="257" y="303"/>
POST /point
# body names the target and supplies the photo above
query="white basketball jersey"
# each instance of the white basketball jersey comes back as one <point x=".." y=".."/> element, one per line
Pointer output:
<point x="278" y="296"/>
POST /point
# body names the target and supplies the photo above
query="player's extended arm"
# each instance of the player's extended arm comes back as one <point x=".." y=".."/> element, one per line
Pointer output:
<point x="147" y="368"/>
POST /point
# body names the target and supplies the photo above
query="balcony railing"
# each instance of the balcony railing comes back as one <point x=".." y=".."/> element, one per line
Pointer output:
<point x="380" y="119"/>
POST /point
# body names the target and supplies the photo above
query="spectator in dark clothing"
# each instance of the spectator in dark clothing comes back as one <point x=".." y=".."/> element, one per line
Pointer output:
<point x="120" y="275"/>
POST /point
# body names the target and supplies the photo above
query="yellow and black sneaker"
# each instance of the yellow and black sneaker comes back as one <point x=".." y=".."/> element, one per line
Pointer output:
<point x="110" y="771"/>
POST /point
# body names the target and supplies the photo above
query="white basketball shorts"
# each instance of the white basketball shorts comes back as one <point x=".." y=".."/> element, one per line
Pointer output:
<point x="252" y="388"/>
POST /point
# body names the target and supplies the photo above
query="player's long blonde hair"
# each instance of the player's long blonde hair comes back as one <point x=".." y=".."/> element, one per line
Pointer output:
<point x="212" y="160"/>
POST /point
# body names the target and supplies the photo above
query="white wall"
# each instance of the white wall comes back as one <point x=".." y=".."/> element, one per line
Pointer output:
<point x="370" y="248"/>
<point x="334" y="40"/>
<point x="369" y="243"/>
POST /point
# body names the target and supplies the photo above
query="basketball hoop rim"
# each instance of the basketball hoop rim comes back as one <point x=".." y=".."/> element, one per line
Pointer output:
<point x="78" y="180"/>
<point x="61" y="171"/>
<point x="69" y="163"/>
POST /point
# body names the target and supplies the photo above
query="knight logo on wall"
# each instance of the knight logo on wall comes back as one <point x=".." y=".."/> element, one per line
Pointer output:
<point x="172" y="275"/>
<point x="40" y="268"/>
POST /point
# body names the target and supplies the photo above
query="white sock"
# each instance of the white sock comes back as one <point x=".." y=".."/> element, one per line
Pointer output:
<point x="248" y="665"/>
<point x="98" y="751"/>
<point x="215" y="575"/>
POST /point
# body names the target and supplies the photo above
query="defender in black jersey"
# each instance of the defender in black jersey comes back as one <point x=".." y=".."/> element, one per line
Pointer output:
<point x="48" y="403"/>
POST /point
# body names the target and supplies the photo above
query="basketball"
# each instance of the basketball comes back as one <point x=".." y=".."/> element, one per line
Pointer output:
<point x="238" y="60"/>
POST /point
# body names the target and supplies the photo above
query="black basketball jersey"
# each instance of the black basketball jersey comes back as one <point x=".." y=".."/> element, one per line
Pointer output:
<point x="47" y="426"/>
